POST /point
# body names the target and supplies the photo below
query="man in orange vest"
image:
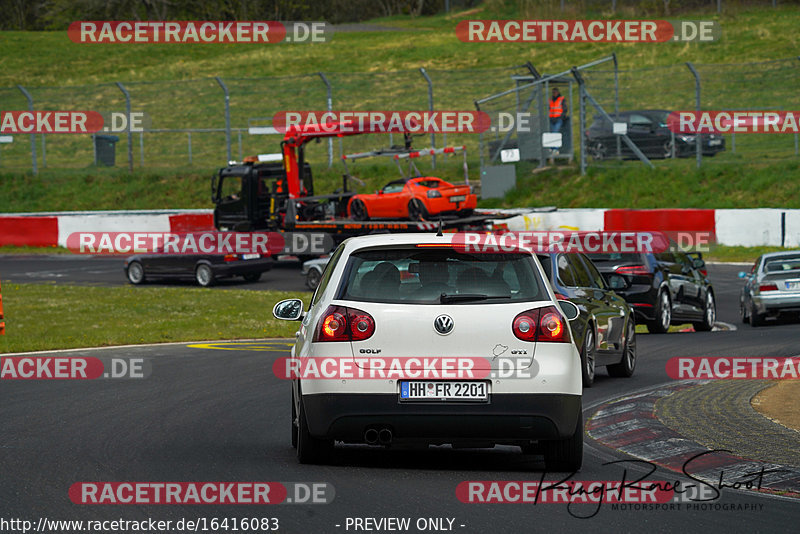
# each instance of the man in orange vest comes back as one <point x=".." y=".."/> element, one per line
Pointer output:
<point x="558" y="111"/>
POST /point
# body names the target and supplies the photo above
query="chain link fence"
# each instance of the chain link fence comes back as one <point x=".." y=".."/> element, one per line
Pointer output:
<point x="187" y="123"/>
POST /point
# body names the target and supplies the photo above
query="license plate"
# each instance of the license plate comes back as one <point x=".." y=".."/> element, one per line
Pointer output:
<point x="444" y="390"/>
<point x="459" y="198"/>
<point x="250" y="256"/>
<point x="715" y="142"/>
<point x="792" y="285"/>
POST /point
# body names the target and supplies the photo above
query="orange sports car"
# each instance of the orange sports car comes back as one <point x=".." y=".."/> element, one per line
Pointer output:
<point x="413" y="198"/>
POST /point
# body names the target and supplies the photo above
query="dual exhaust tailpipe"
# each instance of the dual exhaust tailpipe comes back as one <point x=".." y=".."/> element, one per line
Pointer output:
<point x="374" y="436"/>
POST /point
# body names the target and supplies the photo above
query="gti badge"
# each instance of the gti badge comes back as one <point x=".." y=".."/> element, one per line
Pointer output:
<point x="443" y="324"/>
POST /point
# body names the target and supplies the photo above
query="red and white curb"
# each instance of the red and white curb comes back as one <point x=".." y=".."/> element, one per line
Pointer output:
<point x="629" y="425"/>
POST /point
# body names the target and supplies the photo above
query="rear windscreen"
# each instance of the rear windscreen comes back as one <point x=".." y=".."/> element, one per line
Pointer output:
<point x="784" y="263"/>
<point x="440" y="275"/>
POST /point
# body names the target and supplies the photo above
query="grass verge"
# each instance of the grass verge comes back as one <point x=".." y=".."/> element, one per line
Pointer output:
<point x="739" y="254"/>
<point x="46" y="317"/>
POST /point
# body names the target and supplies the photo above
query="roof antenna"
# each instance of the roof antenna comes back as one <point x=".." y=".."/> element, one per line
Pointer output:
<point x="439" y="231"/>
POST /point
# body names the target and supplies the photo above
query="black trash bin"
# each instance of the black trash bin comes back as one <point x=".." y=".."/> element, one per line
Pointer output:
<point x="105" y="149"/>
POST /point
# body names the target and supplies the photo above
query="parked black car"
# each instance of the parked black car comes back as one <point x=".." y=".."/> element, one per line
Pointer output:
<point x="204" y="268"/>
<point x="648" y="131"/>
<point x="605" y="330"/>
<point x="665" y="288"/>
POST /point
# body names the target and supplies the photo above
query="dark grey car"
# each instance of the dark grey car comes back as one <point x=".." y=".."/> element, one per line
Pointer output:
<point x="605" y="330"/>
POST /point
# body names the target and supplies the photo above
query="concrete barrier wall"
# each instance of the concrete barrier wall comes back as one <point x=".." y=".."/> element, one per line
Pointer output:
<point x="743" y="227"/>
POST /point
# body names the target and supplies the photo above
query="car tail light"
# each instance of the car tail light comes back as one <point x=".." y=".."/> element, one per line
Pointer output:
<point x="432" y="193"/>
<point x="231" y="257"/>
<point x="339" y="323"/>
<point x="634" y="270"/>
<point x="768" y="287"/>
<point x="541" y="324"/>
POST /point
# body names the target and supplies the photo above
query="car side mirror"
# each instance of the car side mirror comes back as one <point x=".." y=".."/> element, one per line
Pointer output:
<point x="288" y="310"/>
<point x="743" y="274"/>
<point x="570" y="310"/>
<point x="617" y="281"/>
<point x="380" y="191"/>
<point x="698" y="263"/>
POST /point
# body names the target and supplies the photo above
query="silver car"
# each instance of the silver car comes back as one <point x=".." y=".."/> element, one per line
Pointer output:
<point x="312" y="270"/>
<point x="772" y="287"/>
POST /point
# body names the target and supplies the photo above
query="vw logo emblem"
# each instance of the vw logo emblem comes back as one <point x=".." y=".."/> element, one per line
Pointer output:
<point x="443" y="324"/>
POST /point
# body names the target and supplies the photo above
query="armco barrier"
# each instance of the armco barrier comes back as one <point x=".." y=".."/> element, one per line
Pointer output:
<point x="744" y="227"/>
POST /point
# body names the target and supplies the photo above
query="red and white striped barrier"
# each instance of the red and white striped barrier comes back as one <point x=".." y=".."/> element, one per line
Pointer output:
<point x="742" y="227"/>
<point x="52" y="229"/>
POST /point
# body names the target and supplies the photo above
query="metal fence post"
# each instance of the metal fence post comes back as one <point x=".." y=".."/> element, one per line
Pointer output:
<point x="128" y="124"/>
<point x="141" y="148"/>
<point x="697" y="142"/>
<point x="33" y="135"/>
<point x="240" y="145"/>
<point x="44" y="152"/>
<point x="616" y="101"/>
<point x="430" y="108"/>
<point x="189" y="139"/>
<point x="227" y="115"/>
<point x="329" y="101"/>
<point x="582" y="116"/>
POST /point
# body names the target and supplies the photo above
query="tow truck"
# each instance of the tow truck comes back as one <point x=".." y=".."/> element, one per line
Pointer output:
<point x="275" y="192"/>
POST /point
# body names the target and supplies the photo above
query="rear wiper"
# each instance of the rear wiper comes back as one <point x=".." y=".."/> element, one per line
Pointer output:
<point x="464" y="297"/>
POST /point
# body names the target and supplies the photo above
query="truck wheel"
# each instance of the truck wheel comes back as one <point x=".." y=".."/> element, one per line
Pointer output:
<point x="135" y="273"/>
<point x="204" y="275"/>
<point x="417" y="210"/>
<point x="358" y="211"/>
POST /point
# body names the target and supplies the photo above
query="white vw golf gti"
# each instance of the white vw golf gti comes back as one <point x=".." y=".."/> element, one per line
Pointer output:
<point x="410" y="339"/>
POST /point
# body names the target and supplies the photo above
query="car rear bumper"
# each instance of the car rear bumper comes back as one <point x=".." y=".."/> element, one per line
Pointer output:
<point x="242" y="267"/>
<point x="506" y="418"/>
<point x="777" y="303"/>
<point x="642" y="302"/>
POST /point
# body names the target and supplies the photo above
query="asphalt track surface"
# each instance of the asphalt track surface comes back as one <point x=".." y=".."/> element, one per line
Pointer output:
<point x="215" y="412"/>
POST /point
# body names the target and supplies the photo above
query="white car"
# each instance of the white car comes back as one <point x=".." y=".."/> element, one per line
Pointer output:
<point x="411" y="297"/>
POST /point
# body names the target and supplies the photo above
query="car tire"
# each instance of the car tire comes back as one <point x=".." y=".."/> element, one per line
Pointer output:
<point x="588" y="357"/>
<point x="663" y="314"/>
<point x="294" y="423"/>
<point x="358" y="211"/>
<point x="310" y="450"/>
<point x="204" y="275"/>
<point x="709" y="314"/>
<point x="743" y="312"/>
<point x="599" y="151"/>
<point x="756" y="319"/>
<point x="417" y="210"/>
<point x="667" y="150"/>
<point x="626" y="366"/>
<point x="565" y="455"/>
<point x="252" y="277"/>
<point x="312" y="278"/>
<point x="135" y="273"/>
